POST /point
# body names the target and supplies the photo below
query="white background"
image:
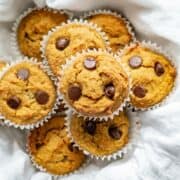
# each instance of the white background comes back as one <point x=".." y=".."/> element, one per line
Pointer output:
<point x="157" y="155"/>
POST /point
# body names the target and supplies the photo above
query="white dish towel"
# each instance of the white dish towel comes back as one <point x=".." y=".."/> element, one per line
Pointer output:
<point x="157" y="155"/>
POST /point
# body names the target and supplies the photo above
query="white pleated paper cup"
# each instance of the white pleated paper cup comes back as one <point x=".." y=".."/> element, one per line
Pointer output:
<point x="43" y="169"/>
<point x="157" y="49"/>
<point x="134" y="129"/>
<point x="128" y="25"/>
<point x="63" y="25"/>
<point x="13" y="39"/>
<point x="80" y="114"/>
<point x="52" y="111"/>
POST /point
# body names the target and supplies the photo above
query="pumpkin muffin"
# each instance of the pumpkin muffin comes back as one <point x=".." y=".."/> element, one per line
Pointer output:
<point x="152" y="75"/>
<point x="69" y="39"/>
<point x="50" y="148"/>
<point x="27" y="94"/>
<point x="115" y="27"/>
<point x="32" y="28"/>
<point x="94" y="84"/>
<point x="100" y="138"/>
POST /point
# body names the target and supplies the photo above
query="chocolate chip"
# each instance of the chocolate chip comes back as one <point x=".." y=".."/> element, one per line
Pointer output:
<point x="90" y="127"/>
<point x="74" y="92"/>
<point x="62" y="43"/>
<point x="90" y="63"/>
<point x="41" y="97"/>
<point x="109" y="90"/>
<point x="23" y="74"/>
<point x="135" y="61"/>
<point x="14" y="102"/>
<point x="114" y="132"/>
<point x="139" y="91"/>
<point x="159" y="69"/>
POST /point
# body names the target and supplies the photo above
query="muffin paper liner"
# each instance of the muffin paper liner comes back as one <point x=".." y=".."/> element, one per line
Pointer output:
<point x="56" y="103"/>
<point x="91" y="117"/>
<point x="75" y="21"/>
<point x="42" y="169"/>
<point x="13" y="38"/>
<point x="134" y="129"/>
<point x="158" y="49"/>
<point x="114" y="13"/>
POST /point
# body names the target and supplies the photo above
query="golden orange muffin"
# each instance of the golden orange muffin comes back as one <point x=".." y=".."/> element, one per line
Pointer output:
<point x="32" y="28"/>
<point x="100" y="138"/>
<point x="51" y="148"/>
<point x="115" y="27"/>
<point x="94" y="84"/>
<point x="69" y="39"/>
<point x="27" y="94"/>
<point x="152" y="75"/>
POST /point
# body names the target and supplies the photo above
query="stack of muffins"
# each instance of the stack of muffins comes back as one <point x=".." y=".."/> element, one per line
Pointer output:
<point x="76" y="83"/>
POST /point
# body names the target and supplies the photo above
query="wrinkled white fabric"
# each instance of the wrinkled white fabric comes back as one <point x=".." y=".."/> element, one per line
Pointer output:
<point x="157" y="154"/>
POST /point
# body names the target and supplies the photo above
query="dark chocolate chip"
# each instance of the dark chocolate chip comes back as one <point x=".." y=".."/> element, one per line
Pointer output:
<point x="90" y="63"/>
<point x="23" y="74"/>
<point x="74" y="92"/>
<point x="159" y="69"/>
<point x="41" y="97"/>
<point x="114" y="132"/>
<point x="135" y="61"/>
<point x="109" y="90"/>
<point x="62" y="43"/>
<point x="139" y="91"/>
<point x="90" y="127"/>
<point x="14" y="102"/>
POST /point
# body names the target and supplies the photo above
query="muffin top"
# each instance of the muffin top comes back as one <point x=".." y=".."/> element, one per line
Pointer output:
<point x="115" y="28"/>
<point x="69" y="39"/>
<point x="152" y="75"/>
<point x="32" y="28"/>
<point x="94" y="83"/>
<point x="51" y="149"/>
<point x="27" y="94"/>
<point x="100" y="138"/>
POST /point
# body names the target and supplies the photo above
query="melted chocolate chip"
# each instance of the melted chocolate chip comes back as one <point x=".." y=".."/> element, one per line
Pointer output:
<point x="74" y="92"/>
<point x="109" y="90"/>
<point x="23" y="74"/>
<point x="13" y="102"/>
<point x="114" y="132"/>
<point x="159" y="69"/>
<point x="135" y="61"/>
<point x="139" y="91"/>
<point x="90" y="127"/>
<point x="62" y="43"/>
<point x="90" y="63"/>
<point x="41" y="97"/>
